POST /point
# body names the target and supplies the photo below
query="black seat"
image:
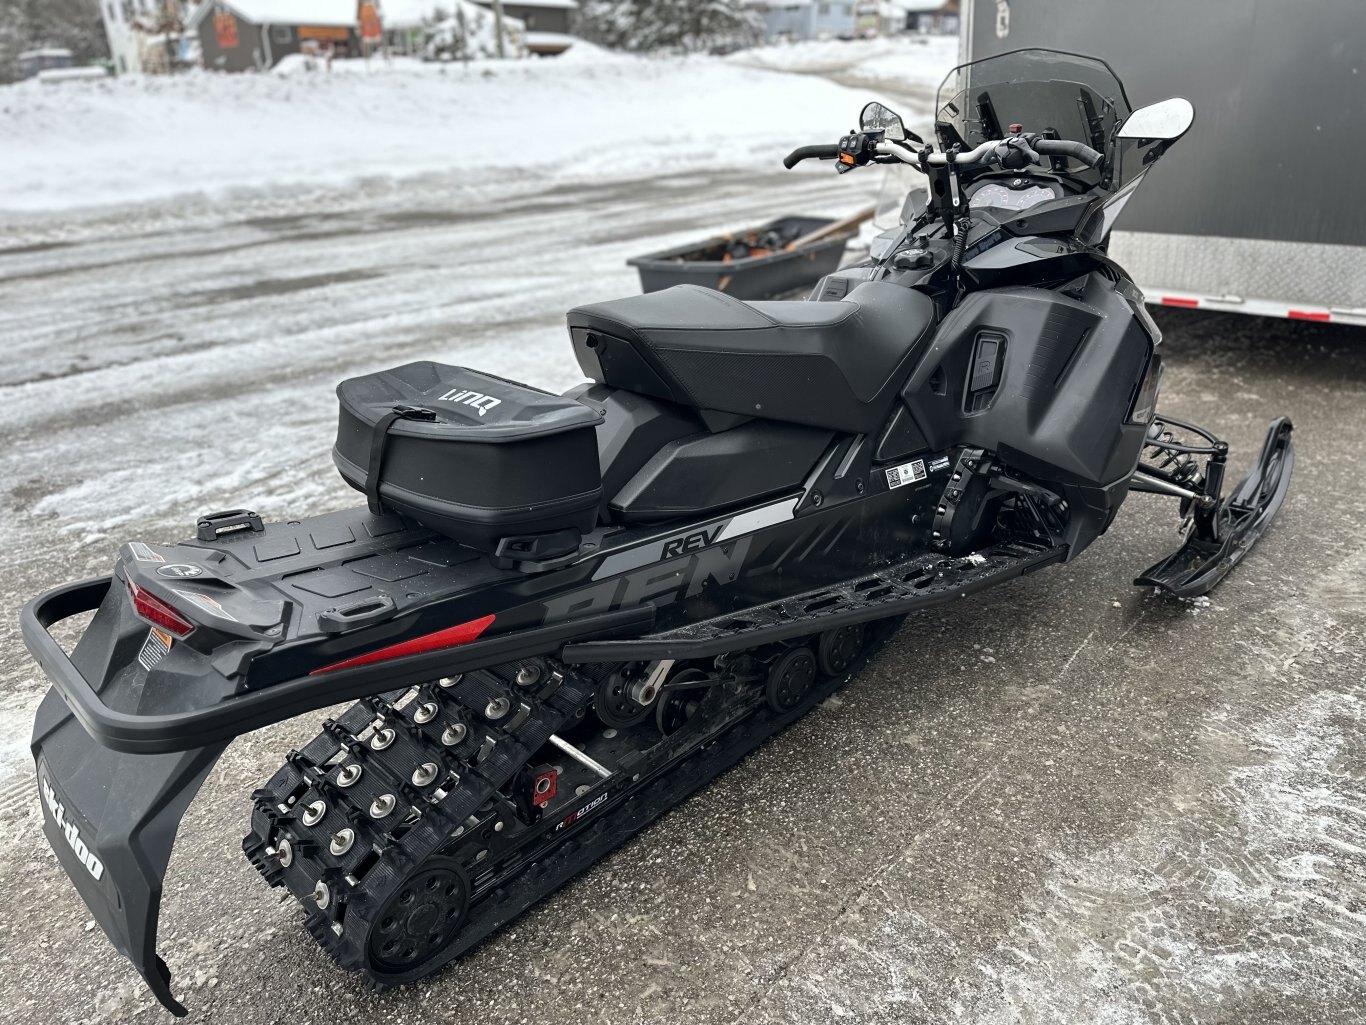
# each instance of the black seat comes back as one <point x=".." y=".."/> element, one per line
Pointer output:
<point x="826" y="364"/>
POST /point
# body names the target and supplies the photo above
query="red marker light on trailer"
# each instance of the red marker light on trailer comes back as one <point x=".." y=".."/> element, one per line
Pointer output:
<point x="450" y="637"/>
<point x="155" y="611"/>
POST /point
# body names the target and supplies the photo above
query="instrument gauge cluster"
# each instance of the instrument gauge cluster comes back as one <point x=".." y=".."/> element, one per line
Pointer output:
<point x="995" y="196"/>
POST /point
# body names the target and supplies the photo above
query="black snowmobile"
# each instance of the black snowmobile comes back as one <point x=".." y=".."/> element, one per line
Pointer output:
<point x="562" y="614"/>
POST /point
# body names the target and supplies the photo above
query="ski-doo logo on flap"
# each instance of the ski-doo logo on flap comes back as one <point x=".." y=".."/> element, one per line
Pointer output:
<point x="57" y="809"/>
<point x="483" y="403"/>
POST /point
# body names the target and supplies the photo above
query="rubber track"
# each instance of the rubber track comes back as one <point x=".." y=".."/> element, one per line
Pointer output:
<point x="463" y="818"/>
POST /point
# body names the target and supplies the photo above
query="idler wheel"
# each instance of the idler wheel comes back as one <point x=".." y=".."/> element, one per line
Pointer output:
<point x="790" y="678"/>
<point x="613" y="702"/>
<point x="838" y="649"/>
<point x="676" y="707"/>
<point x="421" y="919"/>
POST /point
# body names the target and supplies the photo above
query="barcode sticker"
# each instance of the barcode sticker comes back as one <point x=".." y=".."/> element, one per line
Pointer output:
<point x="906" y="473"/>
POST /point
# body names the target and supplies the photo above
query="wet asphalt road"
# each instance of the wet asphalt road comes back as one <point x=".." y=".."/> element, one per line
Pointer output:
<point x="1066" y="800"/>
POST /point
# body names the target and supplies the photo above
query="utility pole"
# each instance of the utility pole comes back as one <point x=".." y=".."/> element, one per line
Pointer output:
<point x="171" y="28"/>
<point x="498" y="26"/>
<point x="464" y="37"/>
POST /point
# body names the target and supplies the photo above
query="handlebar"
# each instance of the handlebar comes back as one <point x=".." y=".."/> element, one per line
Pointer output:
<point x="1065" y="148"/>
<point x="1005" y="152"/>
<point x="803" y="152"/>
<point x="981" y="154"/>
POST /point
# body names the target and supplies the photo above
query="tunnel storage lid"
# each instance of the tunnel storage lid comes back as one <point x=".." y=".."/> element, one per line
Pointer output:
<point x="442" y="401"/>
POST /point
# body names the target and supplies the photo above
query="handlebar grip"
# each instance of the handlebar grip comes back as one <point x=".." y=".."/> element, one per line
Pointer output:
<point x="1066" y="148"/>
<point x="802" y="152"/>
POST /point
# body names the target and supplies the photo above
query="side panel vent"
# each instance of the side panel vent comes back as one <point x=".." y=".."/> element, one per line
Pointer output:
<point x="984" y="372"/>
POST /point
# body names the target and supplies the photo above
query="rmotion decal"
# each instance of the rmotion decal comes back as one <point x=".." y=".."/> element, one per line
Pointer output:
<point x="573" y="817"/>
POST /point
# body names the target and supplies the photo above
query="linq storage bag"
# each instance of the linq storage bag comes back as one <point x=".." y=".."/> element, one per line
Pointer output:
<point x="470" y="455"/>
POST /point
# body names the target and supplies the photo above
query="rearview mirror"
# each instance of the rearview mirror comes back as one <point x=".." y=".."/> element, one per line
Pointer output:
<point x="877" y="118"/>
<point x="1168" y="120"/>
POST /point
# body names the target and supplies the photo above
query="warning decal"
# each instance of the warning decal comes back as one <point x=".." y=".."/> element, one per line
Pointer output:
<point x="206" y="603"/>
<point x="144" y="554"/>
<point x="154" y="648"/>
<point x="906" y="473"/>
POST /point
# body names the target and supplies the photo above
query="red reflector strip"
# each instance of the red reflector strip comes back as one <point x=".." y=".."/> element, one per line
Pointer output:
<point x="1308" y="315"/>
<point x="450" y="637"/>
<point x="1176" y="300"/>
<point x="155" y="611"/>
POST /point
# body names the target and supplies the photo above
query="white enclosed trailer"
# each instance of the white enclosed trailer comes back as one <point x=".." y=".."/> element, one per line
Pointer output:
<point x="1262" y="207"/>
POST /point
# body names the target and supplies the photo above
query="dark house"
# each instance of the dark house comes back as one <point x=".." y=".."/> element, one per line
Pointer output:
<point x="932" y="17"/>
<point x="246" y="35"/>
<point x="548" y="22"/>
<point x="31" y="62"/>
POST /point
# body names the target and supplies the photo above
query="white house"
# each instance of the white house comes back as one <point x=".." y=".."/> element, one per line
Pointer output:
<point x="807" y="19"/>
<point x="131" y="26"/>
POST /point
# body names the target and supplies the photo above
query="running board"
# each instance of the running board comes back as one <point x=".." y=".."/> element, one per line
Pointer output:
<point x="915" y="584"/>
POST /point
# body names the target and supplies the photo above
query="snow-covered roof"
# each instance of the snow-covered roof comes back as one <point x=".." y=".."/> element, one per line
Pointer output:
<point x="569" y="5"/>
<point x="54" y="76"/>
<point x="45" y="51"/>
<point x="409" y="13"/>
<point x="283" y="12"/>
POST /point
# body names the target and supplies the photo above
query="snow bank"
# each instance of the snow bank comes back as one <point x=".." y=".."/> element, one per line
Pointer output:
<point x="907" y="63"/>
<point x="135" y="139"/>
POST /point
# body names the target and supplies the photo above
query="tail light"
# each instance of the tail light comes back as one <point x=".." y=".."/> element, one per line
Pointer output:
<point x="155" y="611"/>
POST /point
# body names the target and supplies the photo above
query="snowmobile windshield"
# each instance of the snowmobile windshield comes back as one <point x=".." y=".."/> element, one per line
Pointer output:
<point x="1061" y="95"/>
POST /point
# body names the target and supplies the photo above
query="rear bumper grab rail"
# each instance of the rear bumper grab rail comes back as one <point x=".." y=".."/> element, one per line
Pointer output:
<point x="153" y="733"/>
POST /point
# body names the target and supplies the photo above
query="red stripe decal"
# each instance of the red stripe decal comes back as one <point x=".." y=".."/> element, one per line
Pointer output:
<point x="449" y="638"/>
<point x="1174" y="300"/>
<point x="1308" y="315"/>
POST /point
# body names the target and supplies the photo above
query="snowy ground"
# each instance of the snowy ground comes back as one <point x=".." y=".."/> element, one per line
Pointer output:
<point x="1062" y="801"/>
<point x="588" y="113"/>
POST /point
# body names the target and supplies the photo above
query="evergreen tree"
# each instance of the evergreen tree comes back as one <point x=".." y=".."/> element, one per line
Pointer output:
<point x="643" y="25"/>
<point x="26" y="24"/>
